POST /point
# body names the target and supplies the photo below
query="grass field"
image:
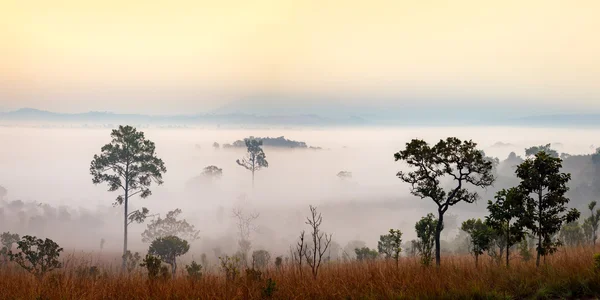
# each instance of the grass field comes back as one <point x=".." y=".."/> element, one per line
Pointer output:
<point x="567" y="274"/>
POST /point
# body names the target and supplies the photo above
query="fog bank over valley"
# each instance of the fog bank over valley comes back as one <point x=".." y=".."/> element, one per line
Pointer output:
<point x="49" y="189"/>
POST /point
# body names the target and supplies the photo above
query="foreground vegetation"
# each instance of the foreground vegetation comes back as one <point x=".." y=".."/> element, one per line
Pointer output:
<point x="569" y="273"/>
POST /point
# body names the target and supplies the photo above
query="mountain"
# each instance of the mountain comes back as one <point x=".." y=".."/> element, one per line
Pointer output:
<point x="373" y="117"/>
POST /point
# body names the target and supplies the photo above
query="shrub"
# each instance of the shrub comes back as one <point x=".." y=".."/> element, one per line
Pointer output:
<point x="194" y="271"/>
<point x="152" y="265"/>
<point x="37" y="256"/>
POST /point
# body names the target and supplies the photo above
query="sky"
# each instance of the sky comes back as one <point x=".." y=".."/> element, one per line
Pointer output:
<point x="167" y="57"/>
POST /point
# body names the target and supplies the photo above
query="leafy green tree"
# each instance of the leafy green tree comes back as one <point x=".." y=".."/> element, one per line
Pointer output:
<point x="37" y="256"/>
<point x="532" y="151"/>
<point x="153" y="265"/>
<point x="256" y="159"/>
<point x="544" y="188"/>
<point x="426" y="229"/>
<point x="7" y="239"/>
<point x="132" y="260"/>
<point x="504" y="217"/>
<point x="572" y="234"/>
<point x="365" y="254"/>
<point x="593" y="220"/>
<point x="170" y="226"/>
<point x="390" y="245"/>
<point x="480" y="235"/>
<point x="168" y="249"/>
<point x="128" y="164"/>
<point x="459" y="161"/>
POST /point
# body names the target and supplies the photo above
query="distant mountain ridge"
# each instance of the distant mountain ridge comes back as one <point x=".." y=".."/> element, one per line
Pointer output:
<point x="405" y="118"/>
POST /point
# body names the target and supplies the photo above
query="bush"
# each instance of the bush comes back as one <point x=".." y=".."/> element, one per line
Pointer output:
<point x="37" y="256"/>
<point x="597" y="262"/>
<point x="194" y="271"/>
<point x="152" y="265"/>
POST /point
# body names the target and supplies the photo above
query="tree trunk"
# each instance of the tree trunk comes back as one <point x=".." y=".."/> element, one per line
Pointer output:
<point x="252" y="179"/>
<point x="540" y="230"/>
<point x="438" y="232"/>
<point x="174" y="268"/>
<point x="507" y="242"/>
<point x="124" y="264"/>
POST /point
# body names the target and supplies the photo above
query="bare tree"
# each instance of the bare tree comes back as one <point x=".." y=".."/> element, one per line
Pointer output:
<point x="320" y="241"/>
<point x="301" y="252"/>
<point x="245" y="228"/>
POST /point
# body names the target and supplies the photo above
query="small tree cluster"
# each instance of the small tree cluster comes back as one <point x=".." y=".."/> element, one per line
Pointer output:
<point x="37" y="256"/>
<point x="390" y="245"/>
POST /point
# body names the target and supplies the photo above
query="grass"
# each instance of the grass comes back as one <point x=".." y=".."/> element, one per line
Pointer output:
<point x="568" y="274"/>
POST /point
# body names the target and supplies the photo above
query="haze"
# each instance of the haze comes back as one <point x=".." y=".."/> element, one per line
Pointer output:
<point x="164" y="57"/>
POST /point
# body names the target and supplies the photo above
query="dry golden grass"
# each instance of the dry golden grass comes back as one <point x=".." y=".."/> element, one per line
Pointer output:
<point x="567" y="274"/>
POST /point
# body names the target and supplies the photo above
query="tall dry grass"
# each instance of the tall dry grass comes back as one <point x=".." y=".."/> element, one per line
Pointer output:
<point x="567" y="274"/>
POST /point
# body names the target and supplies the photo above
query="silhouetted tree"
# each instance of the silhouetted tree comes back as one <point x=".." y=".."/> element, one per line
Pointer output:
<point x="320" y="241"/>
<point x="255" y="159"/>
<point x="168" y="226"/>
<point x="128" y="164"/>
<point x="593" y="220"/>
<point x="505" y="217"/>
<point x="344" y="175"/>
<point x="450" y="158"/>
<point x="572" y="234"/>
<point x="532" y="151"/>
<point x="260" y="259"/>
<point x="7" y="239"/>
<point x="544" y="188"/>
<point x="168" y="249"/>
<point x="365" y="253"/>
<point x="212" y="172"/>
<point x="37" y="256"/>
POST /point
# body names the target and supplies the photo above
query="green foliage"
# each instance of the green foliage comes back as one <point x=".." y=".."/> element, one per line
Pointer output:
<point x="452" y="159"/>
<point x="269" y="289"/>
<point x="194" y="271"/>
<point x="170" y="226"/>
<point x="390" y="245"/>
<point x="132" y="260"/>
<point x="505" y="217"/>
<point x="590" y="225"/>
<point x="152" y="265"/>
<point x="426" y="228"/>
<point x="597" y="262"/>
<point x="544" y="188"/>
<point x="168" y="249"/>
<point x="37" y="256"/>
<point x="532" y="151"/>
<point x="253" y="275"/>
<point x="365" y="254"/>
<point x="230" y="266"/>
<point x="128" y="163"/>
<point x="480" y="234"/>
<point x="260" y="259"/>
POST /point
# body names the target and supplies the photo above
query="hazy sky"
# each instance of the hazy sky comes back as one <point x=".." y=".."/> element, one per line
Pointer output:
<point x="191" y="56"/>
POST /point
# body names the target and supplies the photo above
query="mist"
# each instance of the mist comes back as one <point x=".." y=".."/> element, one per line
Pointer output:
<point x="50" y="191"/>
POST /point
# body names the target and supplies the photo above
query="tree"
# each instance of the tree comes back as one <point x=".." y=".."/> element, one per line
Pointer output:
<point x="132" y="260"/>
<point x="170" y="226"/>
<point x="504" y="217"/>
<point x="260" y="259"/>
<point x="128" y="164"/>
<point x="245" y="228"/>
<point x="212" y="172"/>
<point x="571" y="234"/>
<point x="426" y="229"/>
<point x="216" y="145"/>
<point x="365" y="254"/>
<point x="544" y="188"/>
<point x="344" y="175"/>
<point x="532" y="151"/>
<point x="320" y="241"/>
<point x="448" y="159"/>
<point x="168" y="249"/>
<point x="480" y="237"/>
<point x="593" y="221"/>
<point x="391" y="245"/>
<point x="7" y="239"/>
<point x="256" y="159"/>
<point x="37" y="256"/>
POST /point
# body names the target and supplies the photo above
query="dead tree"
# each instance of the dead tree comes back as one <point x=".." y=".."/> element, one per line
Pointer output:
<point x="245" y="227"/>
<point x="301" y="252"/>
<point x="320" y="241"/>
